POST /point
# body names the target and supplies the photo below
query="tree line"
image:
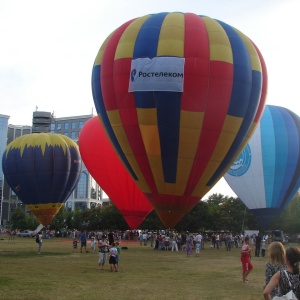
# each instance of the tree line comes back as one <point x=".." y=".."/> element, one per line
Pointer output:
<point x="217" y="213"/>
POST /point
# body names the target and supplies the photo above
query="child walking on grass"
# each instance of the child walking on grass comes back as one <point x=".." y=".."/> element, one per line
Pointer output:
<point x="246" y="260"/>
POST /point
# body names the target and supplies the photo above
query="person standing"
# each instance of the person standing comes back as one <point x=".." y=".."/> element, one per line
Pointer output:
<point x="174" y="243"/>
<point x="166" y="242"/>
<point x="263" y="248"/>
<point x="145" y="238"/>
<point x="75" y="242"/>
<point x="83" y="240"/>
<point x="276" y="254"/>
<point x="218" y="241"/>
<point x="39" y="240"/>
<point x="103" y="249"/>
<point x="113" y="253"/>
<point x="188" y="244"/>
<point x="286" y="279"/>
<point x="198" y="241"/>
<point x="246" y="260"/>
<point x="93" y="244"/>
<point x="257" y="245"/>
<point x="111" y="237"/>
<point x="213" y="241"/>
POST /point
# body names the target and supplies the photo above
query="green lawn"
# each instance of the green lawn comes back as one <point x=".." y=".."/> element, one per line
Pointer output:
<point x="144" y="273"/>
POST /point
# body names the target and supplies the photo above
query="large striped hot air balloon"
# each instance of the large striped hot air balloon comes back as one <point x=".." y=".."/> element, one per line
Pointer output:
<point x="43" y="170"/>
<point x="179" y="95"/>
<point x="106" y="168"/>
<point x="266" y="175"/>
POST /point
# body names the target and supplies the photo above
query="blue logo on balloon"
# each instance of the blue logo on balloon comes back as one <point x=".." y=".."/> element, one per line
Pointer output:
<point x="242" y="163"/>
<point x="132" y="74"/>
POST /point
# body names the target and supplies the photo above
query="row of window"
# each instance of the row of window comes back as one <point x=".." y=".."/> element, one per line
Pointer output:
<point x="65" y="126"/>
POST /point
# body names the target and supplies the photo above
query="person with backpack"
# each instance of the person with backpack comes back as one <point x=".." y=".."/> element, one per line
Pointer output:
<point x="38" y="239"/>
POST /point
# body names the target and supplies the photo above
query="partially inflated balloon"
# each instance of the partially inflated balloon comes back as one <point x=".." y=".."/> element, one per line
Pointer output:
<point x="266" y="175"/>
<point x="43" y="170"/>
<point x="179" y="95"/>
<point x="106" y="168"/>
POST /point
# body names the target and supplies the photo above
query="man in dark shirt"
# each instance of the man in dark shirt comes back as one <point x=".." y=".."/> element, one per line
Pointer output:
<point x="257" y="245"/>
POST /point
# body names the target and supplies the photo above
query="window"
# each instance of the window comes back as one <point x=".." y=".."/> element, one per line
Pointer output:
<point x="73" y="135"/>
<point x="82" y="187"/>
<point x="73" y="125"/>
<point x="52" y="127"/>
<point x="66" y="134"/>
<point x="80" y="124"/>
<point x="66" y="126"/>
<point x="58" y="127"/>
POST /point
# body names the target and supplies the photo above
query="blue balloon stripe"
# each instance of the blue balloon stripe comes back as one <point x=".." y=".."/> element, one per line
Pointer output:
<point x="97" y="95"/>
<point x="268" y="154"/>
<point x="242" y="75"/>
<point x="147" y="39"/>
<point x="246" y="124"/>
<point x="281" y="154"/>
<point x="295" y="183"/>
<point x="144" y="99"/>
<point x="168" y="118"/>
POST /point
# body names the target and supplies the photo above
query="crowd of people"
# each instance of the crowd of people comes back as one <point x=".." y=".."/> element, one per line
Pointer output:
<point x="282" y="274"/>
<point x="281" y="270"/>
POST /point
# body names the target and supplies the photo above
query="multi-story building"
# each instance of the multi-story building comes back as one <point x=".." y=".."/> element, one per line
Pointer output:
<point x="3" y="142"/>
<point x="87" y="193"/>
<point x="9" y="200"/>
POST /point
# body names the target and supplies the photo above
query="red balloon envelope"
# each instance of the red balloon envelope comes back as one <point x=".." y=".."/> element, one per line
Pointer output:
<point x="106" y="168"/>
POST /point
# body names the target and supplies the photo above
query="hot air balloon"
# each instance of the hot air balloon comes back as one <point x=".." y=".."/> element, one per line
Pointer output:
<point x="106" y="168"/>
<point x="266" y="174"/>
<point x="179" y="95"/>
<point x="43" y="170"/>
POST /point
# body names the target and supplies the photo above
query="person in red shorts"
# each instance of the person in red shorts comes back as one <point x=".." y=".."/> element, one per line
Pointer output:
<point x="246" y="259"/>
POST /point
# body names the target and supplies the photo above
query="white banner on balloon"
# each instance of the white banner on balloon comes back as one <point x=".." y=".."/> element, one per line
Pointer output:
<point x="157" y="74"/>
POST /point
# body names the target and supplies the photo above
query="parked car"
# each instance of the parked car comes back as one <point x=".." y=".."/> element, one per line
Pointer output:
<point x="26" y="233"/>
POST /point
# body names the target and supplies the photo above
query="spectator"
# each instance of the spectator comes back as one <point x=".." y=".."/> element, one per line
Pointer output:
<point x="103" y="249"/>
<point x="246" y="259"/>
<point x="276" y="253"/>
<point x="286" y="278"/>
<point x="83" y="241"/>
<point x="188" y="244"/>
<point x="113" y="253"/>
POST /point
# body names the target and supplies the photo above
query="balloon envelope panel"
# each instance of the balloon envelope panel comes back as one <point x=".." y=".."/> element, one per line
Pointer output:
<point x="106" y="168"/>
<point x="266" y="175"/>
<point x="178" y="95"/>
<point x="42" y="169"/>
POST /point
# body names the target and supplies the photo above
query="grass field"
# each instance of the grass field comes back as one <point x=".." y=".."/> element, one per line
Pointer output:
<point x="144" y="273"/>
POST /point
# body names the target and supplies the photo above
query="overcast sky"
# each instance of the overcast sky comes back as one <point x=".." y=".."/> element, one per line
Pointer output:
<point x="48" y="49"/>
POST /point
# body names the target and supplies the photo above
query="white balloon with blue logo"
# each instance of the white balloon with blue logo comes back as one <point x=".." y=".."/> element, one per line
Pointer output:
<point x="266" y="174"/>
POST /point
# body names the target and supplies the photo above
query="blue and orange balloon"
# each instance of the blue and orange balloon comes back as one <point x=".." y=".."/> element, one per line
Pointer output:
<point x="43" y="170"/>
<point x="179" y="95"/>
<point x="266" y="175"/>
<point x="106" y="168"/>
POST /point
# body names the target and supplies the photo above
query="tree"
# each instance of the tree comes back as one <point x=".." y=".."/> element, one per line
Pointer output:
<point x="22" y="221"/>
<point x="113" y="219"/>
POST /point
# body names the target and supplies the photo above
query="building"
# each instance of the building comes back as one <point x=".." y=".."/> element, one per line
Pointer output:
<point x="9" y="200"/>
<point x="87" y="193"/>
<point x="3" y="142"/>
